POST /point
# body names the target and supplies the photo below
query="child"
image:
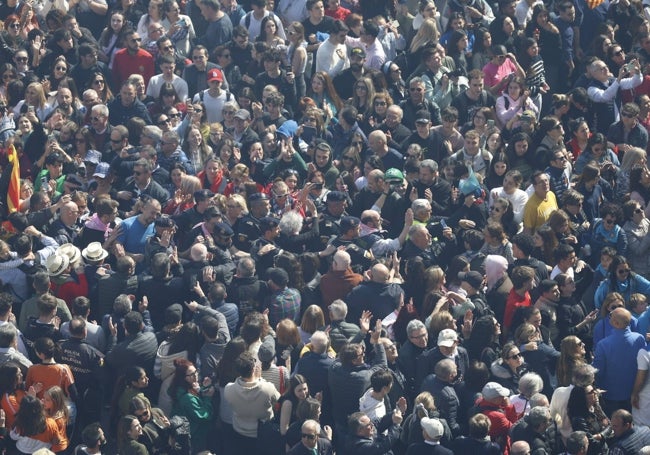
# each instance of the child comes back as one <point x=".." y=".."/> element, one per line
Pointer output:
<point x="638" y="304"/>
<point x="55" y="404"/>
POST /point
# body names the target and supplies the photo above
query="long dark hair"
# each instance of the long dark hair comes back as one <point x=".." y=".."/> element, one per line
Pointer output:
<point x="613" y="280"/>
<point x="482" y="336"/>
<point x="30" y="418"/>
<point x="226" y="371"/>
<point x="577" y="405"/>
<point x="179" y="382"/>
<point x="8" y="374"/>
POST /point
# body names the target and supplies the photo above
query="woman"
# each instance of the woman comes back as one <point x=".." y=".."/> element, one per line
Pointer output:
<point x="611" y="302"/>
<point x="615" y="58"/>
<point x="235" y="209"/>
<point x="589" y="186"/>
<point x="424" y="407"/>
<point x="192" y="400"/>
<point x="112" y="38"/>
<point x="59" y="72"/>
<point x="509" y="368"/>
<point x="269" y="35"/>
<point x="547" y="36"/>
<point x="427" y="35"/>
<point x="498" y="284"/>
<point x="633" y="158"/>
<point x="12" y="37"/>
<point x="640" y="187"/>
<point x="397" y="88"/>
<point x="350" y="162"/>
<point x="297" y="392"/>
<point x="195" y="147"/>
<point x="231" y="71"/>
<point x="180" y="28"/>
<point x="599" y="46"/>
<point x="154" y="15"/>
<point x="560" y="223"/>
<point x="579" y="142"/>
<point x="34" y="97"/>
<point x="48" y="372"/>
<point x="12" y="391"/>
<point x="362" y="96"/>
<point x="522" y="160"/>
<point x="637" y="228"/>
<point x="621" y="279"/>
<point x="606" y="231"/>
<point x="539" y="354"/>
<point x="483" y="343"/>
<point x="514" y="101"/>
<point x="598" y="150"/>
<point x="56" y="407"/>
<point x="225" y="374"/>
<point x="529" y="385"/>
<point x="9" y="74"/>
<point x="572" y="355"/>
<point x="380" y="103"/>
<point x="533" y="65"/>
<point x="313" y="128"/>
<point x="459" y="49"/>
<point x="212" y="176"/>
<point x="503" y="32"/>
<point x="481" y="48"/>
<point x="167" y="98"/>
<point x="33" y="430"/>
<point x="288" y="344"/>
<point x="312" y="320"/>
<point x="131" y="384"/>
<point x="497" y="170"/>
<point x="178" y="170"/>
<point x="479" y="122"/>
<point x="297" y="56"/>
<point x="573" y="319"/>
<point x="496" y="241"/>
<point x="550" y="135"/>
<point x="586" y="415"/>
<point x="155" y="425"/>
<point x="545" y="244"/>
<point x="129" y="431"/>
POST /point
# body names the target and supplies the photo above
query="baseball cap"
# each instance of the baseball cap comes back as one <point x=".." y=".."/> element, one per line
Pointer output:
<point x="349" y="222"/>
<point x="422" y="116"/>
<point x="447" y="338"/>
<point x="215" y="74"/>
<point x="358" y="52"/>
<point x="475" y="279"/>
<point x="102" y="170"/>
<point x="243" y="114"/>
<point x="493" y="390"/>
<point x="432" y="427"/>
<point x="278" y="276"/>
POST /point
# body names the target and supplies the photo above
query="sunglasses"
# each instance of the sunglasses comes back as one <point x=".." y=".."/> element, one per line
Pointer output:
<point x="311" y="437"/>
<point x="98" y="82"/>
<point x="16" y="26"/>
<point x="60" y="68"/>
<point x="638" y="211"/>
<point x="175" y="115"/>
<point x="117" y="141"/>
<point x="514" y="356"/>
<point x="619" y="53"/>
<point x="623" y="271"/>
<point x="347" y="158"/>
<point x="135" y="40"/>
<point x="21" y="59"/>
<point x="95" y="119"/>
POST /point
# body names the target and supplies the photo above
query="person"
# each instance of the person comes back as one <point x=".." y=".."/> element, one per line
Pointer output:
<point x="432" y="430"/>
<point x="496" y="406"/>
<point x="33" y="429"/>
<point x="311" y="442"/>
<point x="128" y="432"/>
<point x="540" y="205"/>
<point x="586" y="415"/>
<point x="615" y="359"/>
<point x="366" y="438"/>
<point x="628" y="438"/>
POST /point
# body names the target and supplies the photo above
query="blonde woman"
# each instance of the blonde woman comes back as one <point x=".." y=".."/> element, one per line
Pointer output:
<point x="235" y="208"/>
<point x="427" y="35"/>
<point x="34" y="99"/>
<point x="184" y="196"/>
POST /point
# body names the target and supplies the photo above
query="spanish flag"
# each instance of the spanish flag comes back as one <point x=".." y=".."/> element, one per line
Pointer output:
<point x="13" y="192"/>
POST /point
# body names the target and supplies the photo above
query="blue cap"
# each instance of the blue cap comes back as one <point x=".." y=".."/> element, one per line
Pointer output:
<point x="288" y="129"/>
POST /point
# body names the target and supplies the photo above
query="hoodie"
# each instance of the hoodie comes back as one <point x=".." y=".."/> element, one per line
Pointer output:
<point x="250" y="402"/>
<point x="375" y="409"/>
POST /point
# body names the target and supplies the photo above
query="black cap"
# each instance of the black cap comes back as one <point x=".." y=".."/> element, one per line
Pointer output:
<point x="258" y="197"/>
<point x="223" y="230"/>
<point x="74" y="179"/>
<point x="202" y="195"/>
<point x="349" y="222"/>
<point x="422" y="116"/>
<point x="475" y="279"/>
<point x="336" y="196"/>
<point x="278" y="276"/>
<point x="54" y="158"/>
<point x="173" y="314"/>
<point x="165" y="222"/>
<point x="267" y="223"/>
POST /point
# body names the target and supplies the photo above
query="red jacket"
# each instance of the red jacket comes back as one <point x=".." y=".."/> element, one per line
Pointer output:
<point x="502" y="418"/>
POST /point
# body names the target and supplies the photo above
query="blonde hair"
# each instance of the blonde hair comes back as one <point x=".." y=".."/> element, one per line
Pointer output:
<point x="190" y="184"/>
<point x="427" y="33"/>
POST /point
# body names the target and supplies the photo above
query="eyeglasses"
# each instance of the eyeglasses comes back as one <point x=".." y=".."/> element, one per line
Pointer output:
<point x="60" y="68"/>
<point x="380" y="103"/>
<point x="419" y="337"/>
<point x="618" y="53"/>
<point x="501" y="57"/>
<point x="560" y="158"/>
<point x="163" y="122"/>
<point x="117" y="141"/>
<point x="95" y="119"/>
<point x="8" y="76"/>
<point x="362" y="87"/>
<point x="193" y="373"/>
<point x="357" y="143"/>
<point x="628" y="115"/>
<point x="15" y="25"/>
<point x="280" y="196"/>
<point x="21" y="59"/>
<point x="515" y="356"/>
<point x="175" y="115"/>
<point x="142" y="414"/>
<point x="495" y="209"/>
<point x="623" y="271"/>
<point x="311" y="437"/>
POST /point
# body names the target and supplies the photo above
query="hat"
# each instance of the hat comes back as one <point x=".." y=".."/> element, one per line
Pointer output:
<point x="165" y="222"/>
<point x="74" y="179"/>
<point x="173" y="314"/>
<point x="243" y="114"/>
<point x="358" y="52"/>
<point x="475" y="279"/>
<point x="71" y="251"/>
<point x="278" y="276"/>
<point x="493" y="390"/>
<point x="267" y="223"/>
<point x="102" y="170"/>
<point x="202" y="195"/>
<point x="447" y="338"/>
<point x="215" y="74"/>
<point x="393" y="174"/>
<point x="266" y="353"/>
<point x="432" y="427"/>
<point x="94" y="252"/>
<point x="93" y="156"/>
<point x="54" y="158"/>
<point x="336" y="196"/>
<point x="349" y="222"/>
<point x="56" y="264"/>
<point x="258" y="197"/>
<point x="528" y="116"/>
<point x="223" y="230"/>
<point x="422" y="116"/>
<point x="385" y="68"/>
<point x="288" y="129"/>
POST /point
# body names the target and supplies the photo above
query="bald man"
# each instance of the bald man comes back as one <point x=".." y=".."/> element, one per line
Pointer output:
<point x="378" y="143"/>
<point x="379" y="295"/>
<point x="65" y="229"/>
<point x="616" y="361"/>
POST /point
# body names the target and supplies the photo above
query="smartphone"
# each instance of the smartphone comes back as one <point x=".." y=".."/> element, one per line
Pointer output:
<point x="308" y="134"/>
<point x="317" y="186"/>
<point x="443" y="223"/>
<point x="51" y="137"/>
<point x="490" y="123"/>
<point x="30" y="108"/>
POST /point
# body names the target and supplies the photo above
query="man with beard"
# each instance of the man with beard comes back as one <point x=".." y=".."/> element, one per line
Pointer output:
<point x="65" y="105"/>
<point x="344" y="82"/>
<point x="328" y="226"/>
<point x="430" y="186"/>
<point x="196" y="74"/>
<point x="417" y="102"/>
<point x="133" y="232"/>
<point x="431" y="143"/>
<point x="247" y="228"/>
<point x="264" y="249"/>
<point x="132" y="59"/>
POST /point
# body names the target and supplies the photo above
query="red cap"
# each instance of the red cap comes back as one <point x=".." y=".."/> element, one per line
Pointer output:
<point x="215" y="75"/>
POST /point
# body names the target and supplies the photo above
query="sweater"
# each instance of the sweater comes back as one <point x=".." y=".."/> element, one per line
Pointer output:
<point x="250" y="402"/>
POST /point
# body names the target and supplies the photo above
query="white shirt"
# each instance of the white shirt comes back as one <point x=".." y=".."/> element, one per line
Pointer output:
<point x="156" y="83"/>
<point x="329" y="60"/>
<point x="213" y="106"/>
<point x="255" y="26"/>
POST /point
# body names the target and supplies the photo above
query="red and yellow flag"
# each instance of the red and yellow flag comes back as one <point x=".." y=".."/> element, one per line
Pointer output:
<point x="13" y="193"/>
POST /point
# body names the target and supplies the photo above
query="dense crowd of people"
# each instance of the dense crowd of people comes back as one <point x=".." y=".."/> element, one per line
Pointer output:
<point x="306" y="227"/>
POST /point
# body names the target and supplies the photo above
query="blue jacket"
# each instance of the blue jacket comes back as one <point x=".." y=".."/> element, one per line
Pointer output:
<point x="615" y="359"/>
<point x="635" y="283"/>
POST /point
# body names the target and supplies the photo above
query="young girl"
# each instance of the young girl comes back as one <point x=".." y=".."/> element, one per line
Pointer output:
<point x="55" y="404"/>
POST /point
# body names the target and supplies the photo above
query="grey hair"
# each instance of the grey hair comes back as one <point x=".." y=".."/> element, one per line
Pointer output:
<point x="577" y="441"/>
<point x="539" y="416"/>
<point x="291" y="223"/>
<point x="100" y="109"/>
<point x="420" y="204"/>
<point x="530" y="384"/>
<point x="429" y="164"/>
<point x="444" y="368"/>
<point x="644" y="450"/>
<point x="538" y="399"/>
<point x="310" y="423"/>
<point x="414" y="325"/>
<point x="338" y="310"/>
<point x="584" y="375"/>
<point x="153" y="132"/>
<point x="319" y="341"/>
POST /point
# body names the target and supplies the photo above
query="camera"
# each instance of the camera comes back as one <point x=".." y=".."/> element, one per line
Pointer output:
<point x="454" y="73"/>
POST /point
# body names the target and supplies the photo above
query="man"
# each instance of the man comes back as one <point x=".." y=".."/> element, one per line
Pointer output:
<point x="165" y="47"/>
<point x="80" y="35"/>
<point x="134" y="231"/>
<point x="558" y="171"/>
<point x="246" y="290"/>
<point x="565" y="23"/>
<point x="496" y="406"/>
<point x="615" y="359"/>
<point x="628" y="439"/>
<point x="65" y="229"/>
<point x="195" y="75"/>
<point x="522" y="250"/>
<point x="366" y="438"/>
<point x="374" y="51"/>
<point x="392" y="126"/>
<point x="315" y="23"/>
<point x="416" y="102"/>
<point x="41" y="284"/>
<point x="243" y="132"/>
<point x="331" y="55"/>
<point x="447" y="347"/>
<point x="340" y="280"/>
<point x="439" y="86"/>
<point x="431" y="187"/>
<point x="264" y="249"/>
<point x="167" y="66"/>
<point x="100" y="129"/>
<point x="132" y="59"/>
<point x="378" y="144"/>
<point x="475" y="157"/>
<point x="274" y="75"/>
<point x="522" y="278"/>
<point x="441" y="386"/>
<point x="540" y="205"/>
<point x="314" y="365"/>
<point x="61" y="44"/>
<point x="310" y="441"/>
<point x="432" y="431"/>
<point x="252" y="21"/>
<point x="530" y="433"/>
<point x="214" y="97"/>
<point x="379" y="295"/>
<point x="126" y="106"/>
<point x="251" y="400"/>
<point x="88" y="66"/>
<point x="172" y="153"/>
<point x="93" y="439"/>
<point x="417" y="341"/>
<point x="141" y="184"/>
<point x="9" y="348"/>
<point x="628" y="132"/>
<point x="346" y="128"/>
<point x="342" y="332"/>
<point x="219" y="29"/>
<point x="547" y="304"/>
<point x="473" y="97"/>
<point x="345" y="81"/>
<point x="192" y="216"/>
<point x="604" y="89"/>
<point x="138" y="348"/>
<point x="420" y="244"/>
<point x="283" y="302"/>
<point x="577" y="443"/>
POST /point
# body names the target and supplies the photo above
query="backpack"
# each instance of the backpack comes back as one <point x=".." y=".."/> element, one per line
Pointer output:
<point x="202" y="94"/>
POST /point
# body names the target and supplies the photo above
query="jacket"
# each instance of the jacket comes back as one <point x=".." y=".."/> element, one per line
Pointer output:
<point x="250" y="402"/>
<point x="447" y="402"/>
<point x="501" y="421"/>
